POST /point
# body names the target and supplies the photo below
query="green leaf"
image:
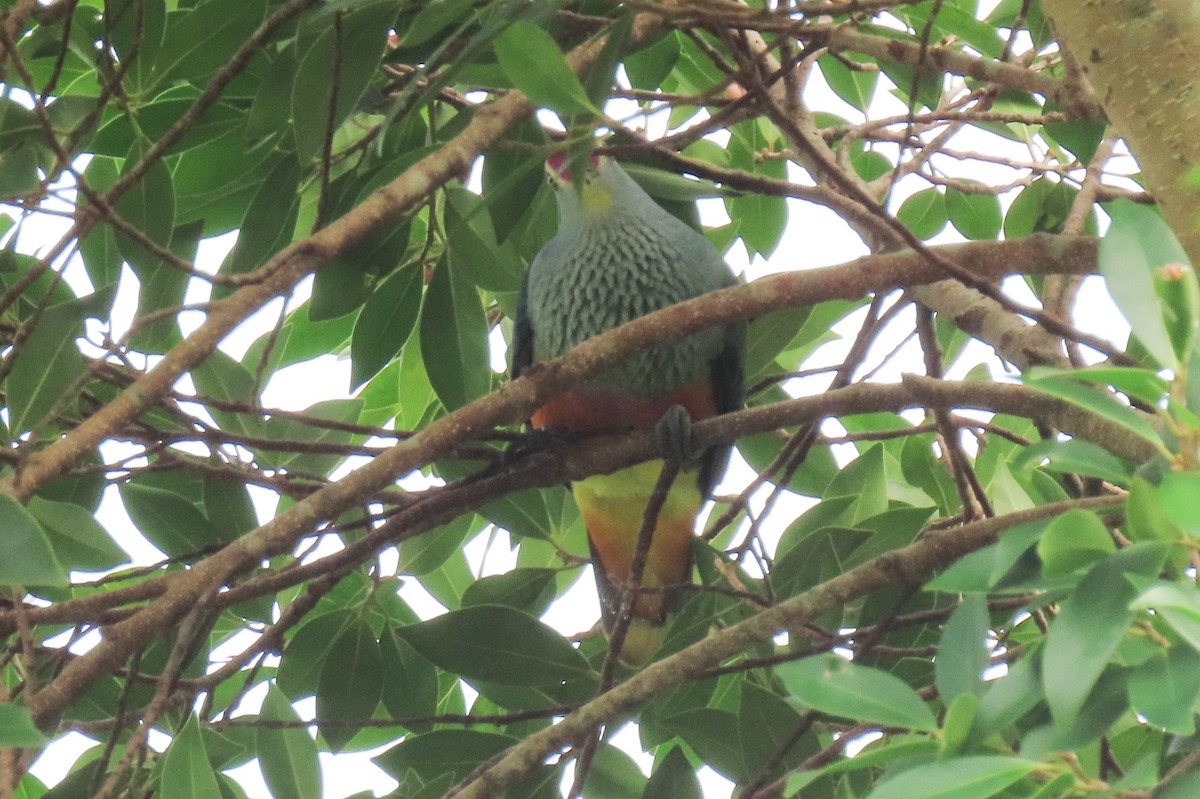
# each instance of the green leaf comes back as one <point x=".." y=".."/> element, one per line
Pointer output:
<point x="345" y="411"/>
<point x="303" y="338"/>
<point x="342" y="285"/>
<point x="761" y="219"/>
<point x="881" y="753"/>
<point x="162" y="289"/>
<point x="1179" y="606"/>
<point x="816" y="558"/>
<point x="351" y="681"/>
<point x="136" y="33"/>
<point x="427" y="552"/>
<point x="1145" y="519"/>
<point x="963" y="653"/>
<point x="834" y="685"/>
<point x="974" y="777"/>
<point x="101" y="256"/>
<point x="924" y="213"/>
<point x="1141" y="384"/>
<point x="1010" y="697"/>
<point x="1075" y="456"/>
<point x="890" y="530"/>
<point x="29" y="559"/>
<point x="528" y="590"/>
<point x="865" y="479"/>
<point x="186" y="770"/>
<point x="418" y="401"/>
<point x="708" y="731"/>
<point x="385" y="323"/>
<point x="984" y="569"/>
<point x="84" y="490"/>
<point x="920" y="468"/>
<point x="498" y="644"/>
<point x="19" y="170"/>
<point x="167" y="520"/>
<point x="16" y="727"/>
<point x="1081" y="136"/>
<point x="673" y="778"/>
<point x="205" y="38"/>
<point x="32" y="388"/>
<point x="442" y="752"/>
<point x="286" y="755"/>
<point x="215" y="181"/>
<point x="1184" y="786"/>
<point x="955" y="20"/>
<point x="271" y="108"/>
<point x="613" y="775"/>
<point x="148" y="206"/>
<point x="1101" y="403"/>
<point x="959" y="720"/>
<point x="474" y="251"/>
<point x="432" y="19"/>
<point x="18" y="125"/>
<point x="603" y="71"/>
<point x="411" y="687"/>
<point x="831" y="511"/>
<point x="650" y="66"/>
<point x="78" y="540"/>
<point x="511" y="181"/>
<point x="532" y="61"/>
<point x="30" y="787"/>
<point x="1179" y="495"/>
<point x="1041" y="206"/>
<point x="269" y="222"/>
<point x="1089" y="627"/>
<point x="1138" y="242"/>
<point x="1107" y="702"/>
<point x="348" y="51"/>
<point x="300" y="665"/>
<point x="1179" y="295"/>
<point x="229" y="509"/>
<point x="1164" y="689"/>
<point x="1073" y="540"/>
<point x="975" y="215"/>
<point x="453" y="335"/>
<point x="856" y="87"/>
<point x="765" y="719"/>
<point x="870" y="165"/>
<point x="222" y="378"/>
<point x="767" y="337"/>
<point x="524" y="513"/>
<point x="669" y="187"/>
<point x="157" y="117"/>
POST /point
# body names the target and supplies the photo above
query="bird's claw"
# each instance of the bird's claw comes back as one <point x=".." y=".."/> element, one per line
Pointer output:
<point x="674" y="432"/>
<point x="535" y="440"/>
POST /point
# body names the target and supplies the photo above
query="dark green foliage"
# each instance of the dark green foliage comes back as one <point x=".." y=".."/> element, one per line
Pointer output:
<point x="184" y="515"/>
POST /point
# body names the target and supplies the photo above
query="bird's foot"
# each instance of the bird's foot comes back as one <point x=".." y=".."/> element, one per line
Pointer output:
<point x="674" y="431"/>
<point x="536" y="440"/>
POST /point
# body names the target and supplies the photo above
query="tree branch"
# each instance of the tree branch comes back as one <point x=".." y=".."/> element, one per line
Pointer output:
<point x="1151" y="101"/>
<point x="515" y="401"/>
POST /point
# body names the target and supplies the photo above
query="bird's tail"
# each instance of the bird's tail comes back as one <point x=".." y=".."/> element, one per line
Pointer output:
<point x="613" y="508"/>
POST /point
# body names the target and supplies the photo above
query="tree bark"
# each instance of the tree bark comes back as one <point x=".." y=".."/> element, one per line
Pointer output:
<point x="1139" y="56"/>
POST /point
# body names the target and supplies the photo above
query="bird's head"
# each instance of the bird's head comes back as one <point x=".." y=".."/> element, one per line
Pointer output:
<point x="585" y="178"/>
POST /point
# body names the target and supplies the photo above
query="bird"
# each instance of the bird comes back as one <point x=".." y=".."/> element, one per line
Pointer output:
<point x="618" y="255"/>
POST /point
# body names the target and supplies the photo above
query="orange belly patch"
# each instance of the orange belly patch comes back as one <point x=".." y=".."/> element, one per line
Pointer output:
<point x="615" y="412"/>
